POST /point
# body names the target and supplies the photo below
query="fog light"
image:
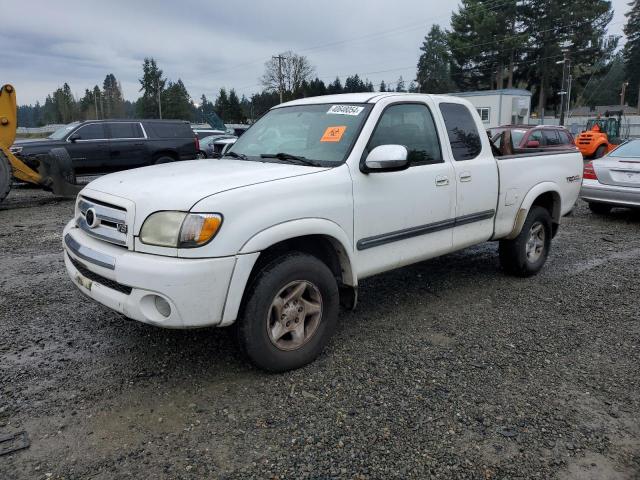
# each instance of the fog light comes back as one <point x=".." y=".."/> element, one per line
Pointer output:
<point x="163" y="306"/>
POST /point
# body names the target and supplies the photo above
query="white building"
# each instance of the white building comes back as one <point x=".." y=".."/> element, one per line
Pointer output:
<point x="500" y="107"/>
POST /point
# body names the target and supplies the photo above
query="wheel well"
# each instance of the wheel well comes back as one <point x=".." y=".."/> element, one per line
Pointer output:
<point x="326" y="249"/>
<point x="165" y="153"/>
<point x="551" y="202"/>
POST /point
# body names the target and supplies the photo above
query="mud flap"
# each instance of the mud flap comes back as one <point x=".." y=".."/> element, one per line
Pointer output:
<point x="56" y="170"/>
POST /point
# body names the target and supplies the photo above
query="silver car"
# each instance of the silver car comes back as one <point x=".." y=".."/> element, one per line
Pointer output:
<point x="613" y="180"/>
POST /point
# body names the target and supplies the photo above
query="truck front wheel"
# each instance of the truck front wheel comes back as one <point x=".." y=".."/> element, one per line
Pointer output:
<point x="6" y="176"/>
<point x="526" y="254"/>
<point x="289" y="312"/>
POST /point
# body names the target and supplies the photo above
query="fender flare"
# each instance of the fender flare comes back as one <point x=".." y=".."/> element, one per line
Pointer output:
<point x="530" y="197"/>
<point x="250" y="251"/>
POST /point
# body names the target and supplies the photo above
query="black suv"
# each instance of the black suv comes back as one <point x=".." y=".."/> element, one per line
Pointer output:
<point x="100" y="146"/>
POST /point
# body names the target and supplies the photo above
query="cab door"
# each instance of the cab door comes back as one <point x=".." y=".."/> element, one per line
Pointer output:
<point x="127" y="146"/>
<point x="88" y="147"/>
<point x="404" y="216"/>
<point x="475" y="175"/>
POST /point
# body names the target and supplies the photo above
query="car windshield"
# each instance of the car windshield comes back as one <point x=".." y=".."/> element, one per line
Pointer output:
<point x="62" y="132"/>
<point x="321" y="133"/>
<point x="629" y="150"/>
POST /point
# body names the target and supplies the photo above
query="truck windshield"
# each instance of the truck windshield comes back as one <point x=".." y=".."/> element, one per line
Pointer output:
<point x="323" y="134"/>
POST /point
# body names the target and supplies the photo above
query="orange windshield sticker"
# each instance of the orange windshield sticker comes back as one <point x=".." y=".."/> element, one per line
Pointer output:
<point x="333" y="134"/>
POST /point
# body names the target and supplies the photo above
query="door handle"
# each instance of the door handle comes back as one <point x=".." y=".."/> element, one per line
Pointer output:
<point x="465" y="177"/>
<point x="442" y="181"/>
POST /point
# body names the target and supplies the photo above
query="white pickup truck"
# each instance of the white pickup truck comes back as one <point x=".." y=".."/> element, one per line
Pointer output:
<point x="317" y="195"/>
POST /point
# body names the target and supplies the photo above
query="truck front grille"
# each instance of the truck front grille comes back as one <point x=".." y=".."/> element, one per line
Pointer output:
<point x="106" y="221"/>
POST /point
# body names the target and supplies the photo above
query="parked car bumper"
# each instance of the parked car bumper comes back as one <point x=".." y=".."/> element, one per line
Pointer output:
<point x="163" y="291"/>
<point x="594" y="191"/>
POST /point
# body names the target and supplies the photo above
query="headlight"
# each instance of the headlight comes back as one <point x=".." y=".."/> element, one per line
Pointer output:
<point x="180" y="229"/>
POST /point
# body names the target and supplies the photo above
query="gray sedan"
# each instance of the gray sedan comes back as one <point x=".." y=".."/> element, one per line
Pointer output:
<point x="613" y="180"/>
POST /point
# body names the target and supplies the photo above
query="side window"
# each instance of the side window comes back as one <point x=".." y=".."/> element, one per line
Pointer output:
<point x="93" y="131"/>
<point x="565" y="138"/>
<point x="537" y="136"/>
<point x="551" y="136"/>
<point x="411" y="125"/>
<point x="461" y="128"/>
<point x="125" y="130"/>
<point x="169" y="129"/>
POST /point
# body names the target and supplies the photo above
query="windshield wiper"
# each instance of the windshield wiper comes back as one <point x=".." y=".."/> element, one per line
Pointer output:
<point x="241" y="156"/>
<point x="288" y="156"/>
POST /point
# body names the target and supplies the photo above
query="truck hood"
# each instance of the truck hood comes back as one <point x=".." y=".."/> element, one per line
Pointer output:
<point x="180" y="185"/>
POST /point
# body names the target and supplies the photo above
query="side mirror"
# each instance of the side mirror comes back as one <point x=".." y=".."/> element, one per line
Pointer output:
<point x="533" y="144"/>
<point x="387" y="158"/>
<point x="74" y="137"/>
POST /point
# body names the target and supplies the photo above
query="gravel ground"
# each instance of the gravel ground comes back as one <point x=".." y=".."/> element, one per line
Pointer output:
<point x="447" y="369"/>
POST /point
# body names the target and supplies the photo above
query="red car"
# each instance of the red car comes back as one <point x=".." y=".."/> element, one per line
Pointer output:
<point x="534" y="136"/>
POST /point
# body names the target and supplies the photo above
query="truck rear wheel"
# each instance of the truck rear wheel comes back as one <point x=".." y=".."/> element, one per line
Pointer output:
<point x="6" y="176"/>
<point x="289" y="313"/>
<point x="526" y="254"/>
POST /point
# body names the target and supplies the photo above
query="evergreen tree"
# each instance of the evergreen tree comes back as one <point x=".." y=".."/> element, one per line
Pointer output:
<point x="335" y="87"/>
<point x="400" y="86"/>
<point x="176" y="102"/>
<point x="222" y="105"/>
<point x="581" y="33"/>
<point x="235" y="110"/>
<point x="112" y="96"/>
<point x="152" y="84"/>
<point x="632" y="53"/>
<point x="434" y="65"/>
<point x="383" y="86"/>
<point x="605" y="90"/>
<point x="484" y="42"/>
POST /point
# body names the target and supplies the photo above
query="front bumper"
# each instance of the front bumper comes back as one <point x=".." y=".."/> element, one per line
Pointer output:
<point x="131" y="282"/>
<point x="594" y="191"/>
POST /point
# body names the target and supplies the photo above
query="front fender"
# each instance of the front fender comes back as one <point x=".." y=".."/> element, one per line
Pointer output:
<point x="250" y="251"/>
<point x="303" y="227"/>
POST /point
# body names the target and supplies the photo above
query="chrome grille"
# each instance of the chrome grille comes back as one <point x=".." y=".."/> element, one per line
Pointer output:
<point x="111" y="221"/>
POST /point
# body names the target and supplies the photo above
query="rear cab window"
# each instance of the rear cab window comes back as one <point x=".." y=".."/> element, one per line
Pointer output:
<point x="462" y="131"/>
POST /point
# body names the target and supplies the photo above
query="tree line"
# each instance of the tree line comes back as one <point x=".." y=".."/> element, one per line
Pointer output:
<point x="490" y="44"/>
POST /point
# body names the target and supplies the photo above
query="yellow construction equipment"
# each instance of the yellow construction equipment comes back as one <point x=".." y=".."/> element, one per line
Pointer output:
<point x="55" y="171"/>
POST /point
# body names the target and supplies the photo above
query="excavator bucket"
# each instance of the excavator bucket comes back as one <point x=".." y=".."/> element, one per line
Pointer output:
<point x="55" y="171"/>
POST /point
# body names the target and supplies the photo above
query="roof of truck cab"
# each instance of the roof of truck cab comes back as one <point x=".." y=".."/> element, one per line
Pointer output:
<point x="367" y="97"/>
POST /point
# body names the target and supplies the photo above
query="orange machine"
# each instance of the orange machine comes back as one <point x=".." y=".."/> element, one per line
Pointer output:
<point x="601" y="136"/>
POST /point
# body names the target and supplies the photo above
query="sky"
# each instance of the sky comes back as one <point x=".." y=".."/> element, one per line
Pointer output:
<point x="212" y="44"/>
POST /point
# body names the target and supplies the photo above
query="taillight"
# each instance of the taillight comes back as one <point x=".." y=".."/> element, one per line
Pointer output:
<point x="589" y="172"/>
<point x="197" y="143"/>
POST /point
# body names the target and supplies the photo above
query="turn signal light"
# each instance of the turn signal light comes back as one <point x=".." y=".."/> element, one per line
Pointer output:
<point x="589" y="172"/>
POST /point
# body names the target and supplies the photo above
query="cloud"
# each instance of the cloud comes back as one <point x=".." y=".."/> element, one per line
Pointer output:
<point x="209" y="44"/>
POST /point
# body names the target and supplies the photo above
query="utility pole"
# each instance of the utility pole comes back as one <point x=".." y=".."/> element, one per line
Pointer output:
<point x="563" y="90"/>
<point x="95" y="100"/>
<point x="623" y="92"/>
<point x="280" y="80"/>
<point x="569" y="95"/>
<point x="159" y="100"/>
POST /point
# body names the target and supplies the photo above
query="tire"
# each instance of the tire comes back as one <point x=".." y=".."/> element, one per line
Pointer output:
<point x="6" y="177"/>
<point x="201" y="155"/>
<point x="260" y="328"/>
<point x="521" y="257"/>
<point x="160" y="159"/>
<point x="600" y="208"/>
<point x="600" y="151"/>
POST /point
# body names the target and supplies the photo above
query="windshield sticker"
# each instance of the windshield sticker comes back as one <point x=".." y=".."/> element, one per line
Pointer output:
<point x="353" y="110"/>
<point x="333" y="134"/>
